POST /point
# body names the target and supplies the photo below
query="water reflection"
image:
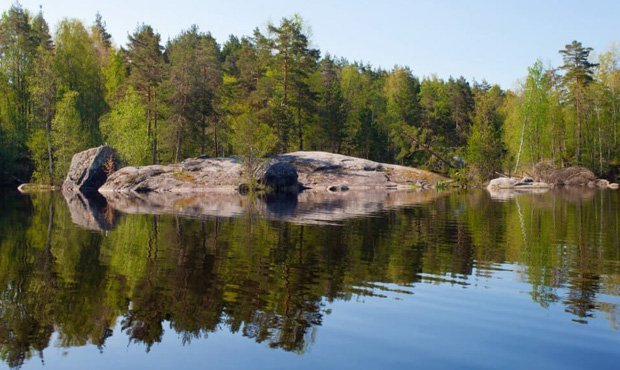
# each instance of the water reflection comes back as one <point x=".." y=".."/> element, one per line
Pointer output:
<point x="269" y="279"/>
<point x="309" y="207"/>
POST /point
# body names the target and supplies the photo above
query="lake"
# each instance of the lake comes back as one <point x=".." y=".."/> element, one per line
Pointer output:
<point x="354" y="280"/>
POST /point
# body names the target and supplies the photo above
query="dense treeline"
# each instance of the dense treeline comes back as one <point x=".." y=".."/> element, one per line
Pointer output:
<point x="272" y="92"/>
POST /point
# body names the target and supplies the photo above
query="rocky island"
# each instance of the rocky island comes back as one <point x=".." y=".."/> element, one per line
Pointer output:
<point x="291" y="172"/>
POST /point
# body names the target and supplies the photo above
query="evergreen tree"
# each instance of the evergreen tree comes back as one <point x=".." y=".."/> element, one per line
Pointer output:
<point x="294" y="61"/>
<point x="330" y="106"/>
<point x="195" y="77"/>
<point x="579" y="73"/>
<point x="146" y="66"/>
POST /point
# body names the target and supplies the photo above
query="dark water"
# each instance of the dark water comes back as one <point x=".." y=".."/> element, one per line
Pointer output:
<point x="440" y="280"/>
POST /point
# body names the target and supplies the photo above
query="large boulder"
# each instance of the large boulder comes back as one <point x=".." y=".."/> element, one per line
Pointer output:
<point x="279" y="177"/>
<point x="90" y="169"/>
<point x="502" y="183"/>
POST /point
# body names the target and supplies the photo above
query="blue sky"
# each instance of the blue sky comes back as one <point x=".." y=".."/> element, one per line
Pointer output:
<point x="495" y="40"/>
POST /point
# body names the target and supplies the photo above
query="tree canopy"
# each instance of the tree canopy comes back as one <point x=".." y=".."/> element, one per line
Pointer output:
<point x="162" y="103"/>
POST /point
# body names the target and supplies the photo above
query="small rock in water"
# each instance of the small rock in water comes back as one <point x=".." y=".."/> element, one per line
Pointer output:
<point x="502" y="183"/>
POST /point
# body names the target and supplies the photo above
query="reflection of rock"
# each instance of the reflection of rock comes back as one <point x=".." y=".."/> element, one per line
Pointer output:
<point x="90" y="211"/>
<point x="307" y="207"/>
<point x="317" y="170"/>
<point x="281" y="205"/>
<point x="505" y="194"/>
<point x="87" y="170"/>
<point x="570" y="193"/>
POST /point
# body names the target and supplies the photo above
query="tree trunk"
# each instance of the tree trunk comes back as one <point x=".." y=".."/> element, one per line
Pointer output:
<point x="50" y="157"/>
<point x="285" y="79"/>
<point x="203" y="135"/>
<point x="148" y="112"/>
<point x="177" y="155"/>
<point x="600" y="143"/>
<point x="578" y="107"/>
<point x="520" y="145"/>
<point x="155" y="129"/>
<point x="215" y="139"/>
<point x="300" y="131"/>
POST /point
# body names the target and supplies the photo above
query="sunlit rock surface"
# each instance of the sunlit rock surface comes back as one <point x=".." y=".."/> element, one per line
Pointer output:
<point x="316" y="170"/>
<point x="87" y="171"/>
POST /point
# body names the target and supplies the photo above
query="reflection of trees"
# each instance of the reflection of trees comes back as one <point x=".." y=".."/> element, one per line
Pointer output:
<point x="269" y="280"/>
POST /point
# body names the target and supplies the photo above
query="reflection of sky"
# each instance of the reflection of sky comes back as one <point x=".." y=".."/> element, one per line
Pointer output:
<point x="496" y="40"/>
<point x="491" y="322"/>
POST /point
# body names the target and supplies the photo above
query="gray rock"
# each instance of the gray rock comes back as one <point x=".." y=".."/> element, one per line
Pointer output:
<point x="283" y="173"/>
<point x="280" y="177"/>
<point x="87" y="171"/>
<point x="502" y="183"/>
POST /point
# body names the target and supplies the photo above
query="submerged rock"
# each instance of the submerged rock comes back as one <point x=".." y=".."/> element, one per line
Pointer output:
<point x="89" y="169"/>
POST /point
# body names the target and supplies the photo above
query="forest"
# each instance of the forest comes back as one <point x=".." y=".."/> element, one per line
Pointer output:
<point x="274" y="92"/>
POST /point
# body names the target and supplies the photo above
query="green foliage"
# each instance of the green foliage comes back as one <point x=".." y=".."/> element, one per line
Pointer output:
<point x="115" y="73"/>
<point x="78" y="68"/>
<point x="528" y="129"/>
<point x="37" y="144"/>
<point x="67" y="133"/>
<point x="252" y="140"/>
<point x="123" y="129"/>
<point x="484" y="146"/>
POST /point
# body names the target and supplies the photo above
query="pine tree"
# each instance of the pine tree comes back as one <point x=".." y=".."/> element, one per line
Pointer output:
<point x="146" y="65"/>
<point x="294" y="62"/>
<point x="578" y="74"/>
<point x="330" y="106"/>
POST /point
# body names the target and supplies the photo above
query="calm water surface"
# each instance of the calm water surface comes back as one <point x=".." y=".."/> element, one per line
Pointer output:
<point x="449" y="280"/>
